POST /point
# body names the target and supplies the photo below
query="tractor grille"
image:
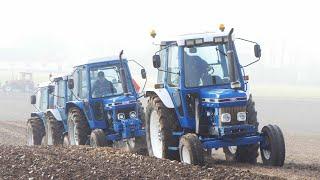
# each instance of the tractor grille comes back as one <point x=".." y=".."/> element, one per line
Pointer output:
<point x="233" y="112"/>
<point x="126" y="112"/>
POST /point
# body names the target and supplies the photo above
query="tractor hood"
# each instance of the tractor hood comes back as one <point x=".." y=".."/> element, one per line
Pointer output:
<point x="120" y="102"/>
<point x="223" y="97"/>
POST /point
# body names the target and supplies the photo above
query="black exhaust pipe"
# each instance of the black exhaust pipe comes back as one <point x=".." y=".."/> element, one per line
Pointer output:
<point x="123" y="75"/>
<point x="231" y="63"/>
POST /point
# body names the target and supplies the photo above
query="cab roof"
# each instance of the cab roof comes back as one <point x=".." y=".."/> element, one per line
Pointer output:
<point x="44" y="84"/>
<point x="206" y="36"/>
<point x="101" y="60"/>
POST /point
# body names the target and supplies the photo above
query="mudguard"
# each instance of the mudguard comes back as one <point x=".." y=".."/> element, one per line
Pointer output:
<point x="55" y="113"/>
<point x="78" y="104"/>
<point x="41" y="115"/>
<point x="163" y="94"/>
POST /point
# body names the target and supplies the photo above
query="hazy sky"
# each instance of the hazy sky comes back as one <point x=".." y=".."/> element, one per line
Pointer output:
<point x="74" y="31"/>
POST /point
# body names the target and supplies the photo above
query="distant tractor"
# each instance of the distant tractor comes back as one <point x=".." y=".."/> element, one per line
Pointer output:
<point x="105" y="109"/>
<point x="56" y="125"/>
<point x="42" y="100"/>
<point x="201" y="102"/>
<point x="23" y="84"/>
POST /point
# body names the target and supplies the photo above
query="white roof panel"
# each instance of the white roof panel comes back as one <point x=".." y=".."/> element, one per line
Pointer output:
<point x="103" y="59"/>
<point x="206" y="36"/>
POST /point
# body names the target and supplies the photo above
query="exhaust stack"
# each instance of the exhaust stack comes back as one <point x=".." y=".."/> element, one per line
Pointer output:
<point x="123" y="75"/>
<point x="231" y="63"/>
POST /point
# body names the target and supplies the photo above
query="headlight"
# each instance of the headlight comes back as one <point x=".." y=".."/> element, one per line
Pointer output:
<point x="241" y="116"/>
<point x="225" y="117"/>
<point x="133" y="114"/>
<point x="121" y="116"/>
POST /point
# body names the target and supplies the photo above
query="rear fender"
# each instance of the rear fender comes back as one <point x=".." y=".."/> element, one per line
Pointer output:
<point x="56" y="114"/>
<point x="163" y="94"/>
<point x="39" y="115"/>
<point x="77" y="104"/>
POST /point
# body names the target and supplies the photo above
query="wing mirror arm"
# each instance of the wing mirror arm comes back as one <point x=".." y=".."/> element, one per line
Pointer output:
<point x="143" y="75"/>
<point x="257" y="51"/>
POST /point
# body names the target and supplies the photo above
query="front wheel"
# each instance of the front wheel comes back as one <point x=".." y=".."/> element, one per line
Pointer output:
<point x="190" y="150"/>
<point x="272" y="148"/>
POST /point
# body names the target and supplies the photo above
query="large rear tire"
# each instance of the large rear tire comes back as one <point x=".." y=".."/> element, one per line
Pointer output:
<point x="54" y="130"/>
<point x="35" y="131"/>
<point x="273" y="148"/>
<point x="78" y="127"/>
<point x="160" y="123"/>
<point x="246" y="153"/>
<point x="190" y="150"/>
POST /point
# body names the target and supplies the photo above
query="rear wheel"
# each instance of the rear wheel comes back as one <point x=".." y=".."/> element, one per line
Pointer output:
<point x="35" y="131"/>
<point x="246" y="153"/>
<point x="160" y="123"/>
<point x="54" y="130"/>
<point x="272" y="149"/>
<point x="190" y="150"/>
<point x="97" y="138"/>
<point x="78" y="128"/>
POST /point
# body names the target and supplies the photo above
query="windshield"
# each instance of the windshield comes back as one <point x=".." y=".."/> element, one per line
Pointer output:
<point x="206" y="65"/>
<point x="105" y="81"/>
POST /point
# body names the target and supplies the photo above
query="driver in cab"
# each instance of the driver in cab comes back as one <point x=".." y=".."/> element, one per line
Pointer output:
<point x="102" y="86"/>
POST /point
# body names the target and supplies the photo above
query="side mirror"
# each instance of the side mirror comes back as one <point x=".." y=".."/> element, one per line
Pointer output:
<point x="156" y="61"/>
<point x="33" y="99"/>
<point x="257" y="50"/>
<point x="143" y="74"/>
<point x="70" y="83"/>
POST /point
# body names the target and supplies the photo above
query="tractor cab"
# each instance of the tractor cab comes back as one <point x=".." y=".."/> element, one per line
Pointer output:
<point x="104" y="94"/>
<point x="42" y="99"/>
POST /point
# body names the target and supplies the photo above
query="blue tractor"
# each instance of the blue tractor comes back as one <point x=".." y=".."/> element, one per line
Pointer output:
<point x="56" y="118"/>
<point x="201" y="102"/>
<point x="104" y="109"/>
<point x="41" y="100"/>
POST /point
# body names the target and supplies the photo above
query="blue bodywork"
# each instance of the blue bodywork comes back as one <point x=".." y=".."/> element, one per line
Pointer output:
<point x="101" y="113"/>
<point x="213" y="99"/>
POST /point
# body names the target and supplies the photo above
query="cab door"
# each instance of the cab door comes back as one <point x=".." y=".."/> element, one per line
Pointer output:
<point x="60" y="99"/>
<point x="82" y="93"/>
<point x="173" y="79"/>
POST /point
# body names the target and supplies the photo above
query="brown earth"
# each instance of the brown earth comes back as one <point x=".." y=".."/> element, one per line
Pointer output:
<point x="302" y="151"/>
<point x="103" y="163"/>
